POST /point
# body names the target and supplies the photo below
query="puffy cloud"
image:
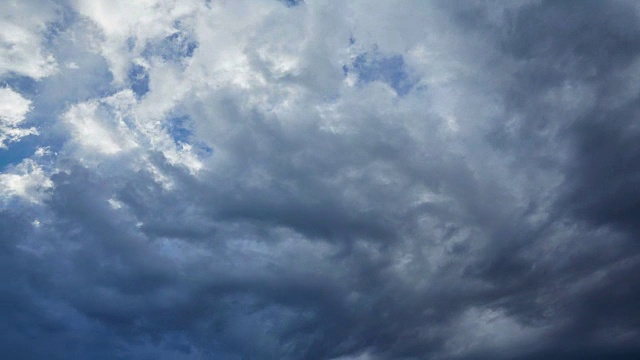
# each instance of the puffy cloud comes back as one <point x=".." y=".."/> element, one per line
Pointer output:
<point x="13" y="110"/>
<point x="28" y="181"/>
<point x="126" y="28"/>
<point x="22" y="26"/>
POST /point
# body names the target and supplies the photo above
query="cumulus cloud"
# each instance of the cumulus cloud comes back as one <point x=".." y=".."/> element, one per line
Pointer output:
<point x="23" y="26"/>
<point x="27" y="181"/>
<point x="13" y="110"/>
<point x="312" y="180"/>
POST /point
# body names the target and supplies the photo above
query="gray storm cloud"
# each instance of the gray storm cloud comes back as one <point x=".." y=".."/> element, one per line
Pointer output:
<point x="312" y="180"/>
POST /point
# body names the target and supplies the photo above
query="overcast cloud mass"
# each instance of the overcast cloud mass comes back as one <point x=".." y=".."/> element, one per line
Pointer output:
<point x="288" y="179"/>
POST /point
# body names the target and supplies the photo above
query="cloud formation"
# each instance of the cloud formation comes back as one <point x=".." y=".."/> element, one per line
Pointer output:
<point x="311" y="180"/>
<point x="13" y="109"/>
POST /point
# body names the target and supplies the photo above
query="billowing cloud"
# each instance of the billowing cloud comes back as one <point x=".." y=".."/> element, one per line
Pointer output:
<point x="23" y="27"/>
<point x="311" y="180"/>
<point x="13" y="110"/>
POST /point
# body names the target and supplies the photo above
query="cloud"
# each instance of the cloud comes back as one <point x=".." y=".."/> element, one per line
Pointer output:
<point x="13" y="110"/>
<point x="301" y="180"/>
<point x="21" y="44"/>
<point x="28" y="181"/>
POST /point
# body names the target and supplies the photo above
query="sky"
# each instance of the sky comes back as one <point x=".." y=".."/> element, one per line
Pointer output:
<point x="345" y="180"/>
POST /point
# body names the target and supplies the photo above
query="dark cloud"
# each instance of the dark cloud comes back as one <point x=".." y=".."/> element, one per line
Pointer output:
<point x="366" y="225"/>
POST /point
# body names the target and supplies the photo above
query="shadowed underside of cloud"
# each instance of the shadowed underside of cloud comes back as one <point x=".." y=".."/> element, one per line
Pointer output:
<point x="305" y="180"/>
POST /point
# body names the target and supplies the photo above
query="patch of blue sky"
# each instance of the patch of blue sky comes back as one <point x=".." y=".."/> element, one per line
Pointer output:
<point x="22" y="84"/>
<point x="374" y="66"/>
<point x="18" y="151"/>
<point x="131" y="43"/>
<point x="55" y="29"/>
<point x="203" y="150"/>
<point x="180" y="128"/>
<point x="43" y="117"/>
<point x="292" y="3"/>
<point x="49" y="136"/>
<point x="139" y="80"/>
<point x="174" y="47"/>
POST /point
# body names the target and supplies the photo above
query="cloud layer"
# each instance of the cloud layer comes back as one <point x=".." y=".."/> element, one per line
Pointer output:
<point x="310" y="180"/>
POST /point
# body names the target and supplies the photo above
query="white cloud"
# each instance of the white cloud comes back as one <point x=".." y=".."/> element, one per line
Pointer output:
<point x="115" y="204"/>
<point x="27" y="180"/>
<point x="127" y="26"/>
<point x="96" y="131"/>
<point x="13" y="110"/>
<point x="115" y="125"/>
<point x="21" y="35"/>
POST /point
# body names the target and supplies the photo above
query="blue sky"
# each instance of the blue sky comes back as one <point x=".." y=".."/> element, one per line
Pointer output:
<point x="363" y="180"/>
